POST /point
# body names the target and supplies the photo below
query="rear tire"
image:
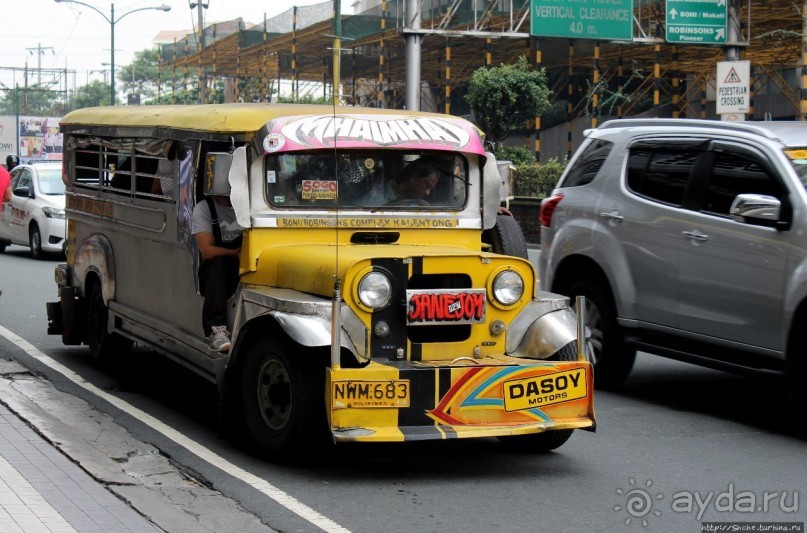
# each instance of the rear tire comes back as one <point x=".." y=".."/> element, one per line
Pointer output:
<point x="611" y="357"/>
<point x="35" y="241"/>
<point x="506" y="237"/>
<point x="3" y="245"/>
<point x="283" y="399"/>
<point x="103" y="345"/>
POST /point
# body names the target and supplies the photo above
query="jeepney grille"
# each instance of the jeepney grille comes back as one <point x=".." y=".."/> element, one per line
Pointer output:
<point x="443" y="332"/>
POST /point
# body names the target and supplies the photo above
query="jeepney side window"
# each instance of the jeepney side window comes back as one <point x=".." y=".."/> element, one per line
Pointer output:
<point x="88" y="164"/>
<point x="362" y="179"/>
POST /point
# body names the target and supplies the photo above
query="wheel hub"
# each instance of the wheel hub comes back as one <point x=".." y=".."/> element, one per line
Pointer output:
<point x="274" y="394"/>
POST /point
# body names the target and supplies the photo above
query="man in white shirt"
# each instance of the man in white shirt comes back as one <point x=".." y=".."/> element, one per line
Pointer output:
<point x="218" y="237"/>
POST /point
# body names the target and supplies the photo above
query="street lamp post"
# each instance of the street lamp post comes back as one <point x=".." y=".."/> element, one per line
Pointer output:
<point x="112" y="21"/>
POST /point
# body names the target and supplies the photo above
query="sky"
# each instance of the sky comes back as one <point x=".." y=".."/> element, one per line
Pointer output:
<point x="70" y="36"/>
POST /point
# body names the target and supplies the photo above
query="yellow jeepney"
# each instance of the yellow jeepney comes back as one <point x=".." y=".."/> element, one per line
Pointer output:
<point x="356" y="315"/>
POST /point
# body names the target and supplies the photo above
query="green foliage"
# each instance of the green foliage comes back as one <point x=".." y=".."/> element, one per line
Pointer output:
<point x="255" y="90"/>
<point x="537" y="179"/>
<point x="140" y="76"/>
<point x="518" y="155"/>
<point x="93" y="94"/>
<point x="40" y="101"/>
<point x="504" y="98"/>
<point x="305" y="99"/>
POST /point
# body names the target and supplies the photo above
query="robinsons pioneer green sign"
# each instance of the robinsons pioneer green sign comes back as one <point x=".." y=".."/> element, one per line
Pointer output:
<point x="697" y="21"/>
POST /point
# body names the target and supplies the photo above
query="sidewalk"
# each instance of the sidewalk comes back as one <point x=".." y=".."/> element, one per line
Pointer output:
<point x="42" y="491"/>
<point x="68" y="467"/>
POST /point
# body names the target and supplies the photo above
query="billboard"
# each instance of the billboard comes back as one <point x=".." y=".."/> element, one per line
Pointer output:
<point x="32" y="138"/>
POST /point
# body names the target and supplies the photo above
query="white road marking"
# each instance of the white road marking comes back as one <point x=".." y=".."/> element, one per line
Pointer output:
<point x="260" y="484"/>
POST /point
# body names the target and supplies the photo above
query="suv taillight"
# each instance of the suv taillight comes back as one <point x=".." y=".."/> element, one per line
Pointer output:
<point x="548" y="206"/>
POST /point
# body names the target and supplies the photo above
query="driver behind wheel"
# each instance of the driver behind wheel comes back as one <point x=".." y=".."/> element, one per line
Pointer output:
<point x="412" y="186"/>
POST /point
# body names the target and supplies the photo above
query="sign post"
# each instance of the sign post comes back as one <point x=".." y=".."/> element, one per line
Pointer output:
<point x="733" y="92"/>
<point x="697" y="21"/>
<point x="582" y="19"/>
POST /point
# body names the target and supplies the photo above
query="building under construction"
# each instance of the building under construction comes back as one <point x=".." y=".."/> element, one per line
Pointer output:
<point x="591" y="80"/>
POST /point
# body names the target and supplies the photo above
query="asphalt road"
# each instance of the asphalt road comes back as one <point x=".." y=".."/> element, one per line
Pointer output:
<point x="676" y="447"/>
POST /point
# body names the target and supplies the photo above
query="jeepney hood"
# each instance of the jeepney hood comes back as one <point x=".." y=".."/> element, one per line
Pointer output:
<point x="311" y="267"/>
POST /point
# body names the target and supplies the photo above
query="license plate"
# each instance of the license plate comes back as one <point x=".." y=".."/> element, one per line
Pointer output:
<point x="363" y="394"/>
<point x="548" y="389"/>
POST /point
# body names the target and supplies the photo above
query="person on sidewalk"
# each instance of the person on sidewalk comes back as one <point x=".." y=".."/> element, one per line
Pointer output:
<point x="218" y="237"/>
<point x="5" y="185"/>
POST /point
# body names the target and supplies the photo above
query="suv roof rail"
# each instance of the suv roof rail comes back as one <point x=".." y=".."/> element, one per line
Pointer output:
<point x="761" y="128"/>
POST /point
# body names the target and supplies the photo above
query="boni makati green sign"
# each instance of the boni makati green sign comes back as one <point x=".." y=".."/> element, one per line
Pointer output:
<point x="607" y="20"/>
<point x="697" y="21"/>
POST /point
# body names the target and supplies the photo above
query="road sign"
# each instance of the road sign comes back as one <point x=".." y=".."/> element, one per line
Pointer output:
<point x="733" y="92"/>
<point x="582" y="19"/>
<point x="697" y="21"/>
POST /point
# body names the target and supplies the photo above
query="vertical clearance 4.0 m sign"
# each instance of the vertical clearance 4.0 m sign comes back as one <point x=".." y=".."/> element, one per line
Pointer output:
<point x="607" y="20"/>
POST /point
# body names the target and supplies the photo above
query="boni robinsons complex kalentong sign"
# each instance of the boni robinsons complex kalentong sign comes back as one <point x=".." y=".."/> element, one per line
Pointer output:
<point x="733" y="96"/>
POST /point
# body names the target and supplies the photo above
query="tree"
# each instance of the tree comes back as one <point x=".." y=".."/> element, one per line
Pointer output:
<point x="140" y="76"/>
<point x="504" y="98"/>
<point x="93" y="94"/>
<point x="40" y="101"/>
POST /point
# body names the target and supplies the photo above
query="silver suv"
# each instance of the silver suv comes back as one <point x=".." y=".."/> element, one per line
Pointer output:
<point x="689" y="240"/>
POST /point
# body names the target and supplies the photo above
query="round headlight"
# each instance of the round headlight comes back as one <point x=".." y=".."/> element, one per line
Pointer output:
<point x="508" y="287"/>
<point x="375" y="290"/>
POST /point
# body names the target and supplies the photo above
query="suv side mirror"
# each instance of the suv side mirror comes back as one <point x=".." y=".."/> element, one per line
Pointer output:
<point x="758" y="209"/>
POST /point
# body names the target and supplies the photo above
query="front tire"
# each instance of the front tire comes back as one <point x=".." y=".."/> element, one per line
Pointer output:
<point x="796" y="369"/>
<point x="35" y="241"/>
<point x="548" y="440"/>
<point x="282" y="396"/>
<point x="103" y="344"/>
<point x="506" y="237"/>
<point x="611" y="357"/>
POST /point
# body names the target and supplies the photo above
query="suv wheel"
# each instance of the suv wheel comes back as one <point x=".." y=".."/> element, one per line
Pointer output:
<point x="796" y="375"/>
<point x="611" y="357"/>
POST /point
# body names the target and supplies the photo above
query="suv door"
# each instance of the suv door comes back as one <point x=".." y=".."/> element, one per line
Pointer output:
<point x="732" y="274"/>
<point x="646" y="220"/>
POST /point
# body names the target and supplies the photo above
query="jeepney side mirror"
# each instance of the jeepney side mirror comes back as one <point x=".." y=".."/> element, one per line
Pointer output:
<point x="226" y="175"/>
<point x="217" y="174"/>
<point x="491" y="191"/>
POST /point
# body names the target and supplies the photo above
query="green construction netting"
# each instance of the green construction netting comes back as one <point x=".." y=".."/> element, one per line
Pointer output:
<point x="358" y="26"/>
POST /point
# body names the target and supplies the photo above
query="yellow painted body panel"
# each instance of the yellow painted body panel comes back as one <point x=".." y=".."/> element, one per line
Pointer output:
<point x="384" y="420"/>
<point x="214" y="118"/>
<point x="469" y="404"/>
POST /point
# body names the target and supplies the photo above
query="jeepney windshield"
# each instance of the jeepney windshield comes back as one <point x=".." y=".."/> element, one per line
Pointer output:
<point x="798" y="159"/>
<point x="367" y="179"/>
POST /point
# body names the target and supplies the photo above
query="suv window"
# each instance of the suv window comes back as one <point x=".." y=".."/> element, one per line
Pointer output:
<point x="588" y="164"/>
<point x="661" y="174"/>
<point x="734" y="174"/>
